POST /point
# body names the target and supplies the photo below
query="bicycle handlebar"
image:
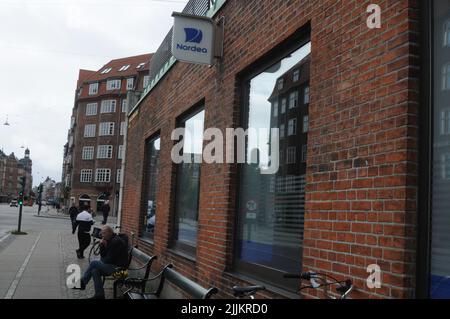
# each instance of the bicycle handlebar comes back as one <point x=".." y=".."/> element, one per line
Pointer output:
<point x="345" y="286"/>
<point x="303" y="275"/>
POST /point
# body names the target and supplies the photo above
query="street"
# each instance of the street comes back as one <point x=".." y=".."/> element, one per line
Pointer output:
<point x="37" y="262"/>
<point x="9" y="217"/>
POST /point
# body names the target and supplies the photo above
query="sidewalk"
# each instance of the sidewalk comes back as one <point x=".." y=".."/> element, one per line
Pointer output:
<point x="30" y="267"/>
<point x="34" y="266"/>
<point x="52" y="213"/>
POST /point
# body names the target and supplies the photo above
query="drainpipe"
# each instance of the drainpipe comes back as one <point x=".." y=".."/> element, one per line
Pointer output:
<point x="122" y="170"/>
<point x="131" y="100"/>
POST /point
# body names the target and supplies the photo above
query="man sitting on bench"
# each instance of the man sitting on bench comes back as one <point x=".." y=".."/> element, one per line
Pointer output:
<point x="114" y="254"/>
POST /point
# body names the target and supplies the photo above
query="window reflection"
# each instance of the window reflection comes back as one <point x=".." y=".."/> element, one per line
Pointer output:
<point x="440" y="185"/>
<point x="188" y="181"/>
<point x="153" y="147"/>
<point x="272" y="206"/>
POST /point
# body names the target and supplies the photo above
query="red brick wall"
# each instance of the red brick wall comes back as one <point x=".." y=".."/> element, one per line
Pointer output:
<point x="95" y="189"/>
<point x="363" y="108"/>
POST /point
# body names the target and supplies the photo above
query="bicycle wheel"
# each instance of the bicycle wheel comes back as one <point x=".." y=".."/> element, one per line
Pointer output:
<point x="94" y="253"/>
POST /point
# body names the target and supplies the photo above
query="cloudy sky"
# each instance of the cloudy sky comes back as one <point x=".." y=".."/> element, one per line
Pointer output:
<point x="43" y="44"/>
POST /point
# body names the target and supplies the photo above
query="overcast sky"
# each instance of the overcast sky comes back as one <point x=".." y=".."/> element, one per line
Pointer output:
<point x="43" y="44"/>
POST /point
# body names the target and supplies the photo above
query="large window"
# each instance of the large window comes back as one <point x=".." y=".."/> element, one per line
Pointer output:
<point x="86" y="176"/>
<point x="104" y="151"/>
<point x="306" y="95"/>
<point x="108" y="106"/>
<point x="188" y="183"/>
<point x="271" y="206"/>
<point x="88" y="152"/>
<point x="130" y="83"/>
<point x="103" y="175"/>
<point x="113" y="85"/>
<point x="89" y="130"/>
<point x="106" y="128"/>
<point x="440" y="154"/>
<point x="292" y="128"/>
<point x="91" y="109"/>
<point x="151" y="172"/>
<point x="293" y="99"/>
<point x="93" y="88"/>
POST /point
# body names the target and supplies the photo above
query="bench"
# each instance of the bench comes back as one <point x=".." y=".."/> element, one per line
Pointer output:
<point x="191" y="288"/>
<point x="139" y="265"/>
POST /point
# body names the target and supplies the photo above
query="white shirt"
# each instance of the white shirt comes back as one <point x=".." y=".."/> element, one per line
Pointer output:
<point x="84" y="216"/>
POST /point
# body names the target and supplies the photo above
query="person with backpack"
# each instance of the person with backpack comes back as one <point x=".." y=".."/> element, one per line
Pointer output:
<point x="83" y="222"/>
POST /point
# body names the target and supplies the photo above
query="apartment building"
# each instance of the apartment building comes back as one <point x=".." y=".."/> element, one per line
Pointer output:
<point x="94" y="150"/>
<point x="11" y="169"/>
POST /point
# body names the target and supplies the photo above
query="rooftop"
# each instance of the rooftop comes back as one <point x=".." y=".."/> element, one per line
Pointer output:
<point x="120" y="68"/>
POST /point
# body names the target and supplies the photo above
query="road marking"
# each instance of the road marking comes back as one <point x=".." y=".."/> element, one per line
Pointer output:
<point x="2" y="239"/>
<point x="15" y="283"/>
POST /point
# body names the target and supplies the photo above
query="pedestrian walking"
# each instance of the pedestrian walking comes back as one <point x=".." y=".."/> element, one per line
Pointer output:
<point x="84" y="222"/>
<point x="73" y="212"/>
<point x="105" y="210"/>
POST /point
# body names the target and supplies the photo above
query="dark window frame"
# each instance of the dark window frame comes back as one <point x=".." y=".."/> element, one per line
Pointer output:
<point x="174" y="244"/>
<point x="143" y="234"/>
<point x="424" y="211"/>
<point x="297" y="40"/>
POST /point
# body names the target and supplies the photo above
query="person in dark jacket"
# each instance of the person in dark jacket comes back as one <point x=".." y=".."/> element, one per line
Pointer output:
<point x="105" y="210"/>
<point x="114" y="255"/>
<point x="83" y="222"/>
<point x="73" y="212"/>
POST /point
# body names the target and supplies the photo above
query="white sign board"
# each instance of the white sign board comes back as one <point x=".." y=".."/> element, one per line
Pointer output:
<point x="193" y="39"/>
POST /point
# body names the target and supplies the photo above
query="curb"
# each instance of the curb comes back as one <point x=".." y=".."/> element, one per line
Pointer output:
<point x="49" y="216"/>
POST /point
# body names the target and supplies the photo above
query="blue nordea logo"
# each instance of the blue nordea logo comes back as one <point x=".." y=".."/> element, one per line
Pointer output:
<point x="192" y="36"/>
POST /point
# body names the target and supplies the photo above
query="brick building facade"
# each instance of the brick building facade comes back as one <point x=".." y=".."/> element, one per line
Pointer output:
<point x="11" y="169"/>
<point x="93" y="153"/>
<point x="225" y="224"/>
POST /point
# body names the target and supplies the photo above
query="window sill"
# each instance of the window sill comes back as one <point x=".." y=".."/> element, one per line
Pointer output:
<point x="182" y="254"/>
<point x="147" y="240"/>
<point x="269" y="287"/>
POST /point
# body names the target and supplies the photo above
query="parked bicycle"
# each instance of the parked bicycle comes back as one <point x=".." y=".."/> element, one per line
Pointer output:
<point x="321" y="280"/>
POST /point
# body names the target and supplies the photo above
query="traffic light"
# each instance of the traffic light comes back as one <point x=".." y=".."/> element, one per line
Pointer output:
<point x="22" y="183"/>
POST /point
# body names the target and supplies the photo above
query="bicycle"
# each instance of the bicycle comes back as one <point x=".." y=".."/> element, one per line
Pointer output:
<point x="246" y="291"/>
<point x="344" y="286"/>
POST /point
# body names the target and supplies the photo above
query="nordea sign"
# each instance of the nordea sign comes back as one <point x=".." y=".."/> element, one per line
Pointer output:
<point x="193" y="39"/>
